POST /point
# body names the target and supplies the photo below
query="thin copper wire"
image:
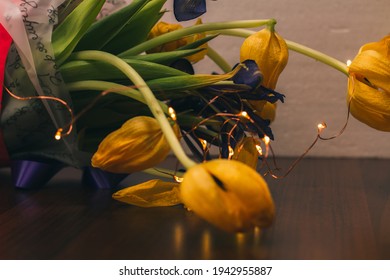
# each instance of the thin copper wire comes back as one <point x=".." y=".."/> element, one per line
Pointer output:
<point x="56" y="99"/>
<point x="318" y="137"/>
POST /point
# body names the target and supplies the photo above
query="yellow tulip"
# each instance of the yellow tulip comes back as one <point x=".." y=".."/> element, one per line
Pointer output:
<point x="228" y="194"/>
<point x="264" y="109"/>
<point x="270" y="52"/>
<point x="369" y="85"/>
<point x="246" y="152"/>
<point x="137" y="145"/>
<point x="163" y="27"/>
<point x="190" y="39"/>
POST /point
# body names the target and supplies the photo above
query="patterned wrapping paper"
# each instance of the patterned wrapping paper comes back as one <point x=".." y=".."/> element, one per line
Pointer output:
<point x="28" y="68"/>
<point x="29" y="126"/>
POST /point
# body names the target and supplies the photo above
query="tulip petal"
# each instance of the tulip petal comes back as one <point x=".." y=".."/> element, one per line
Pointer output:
<point x="188" y="9"/>
<point x="246" y="152"/>
<point x="373" y="66"/>
<point x="249" y="74"/>
<point x="183" y="65"/>
<point x="153" y="193"/>
<point x="369" y="105"/>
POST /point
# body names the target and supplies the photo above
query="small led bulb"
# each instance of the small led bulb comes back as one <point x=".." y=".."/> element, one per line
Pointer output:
<point x="58" y="136"/>
<point x="321" y="127"/>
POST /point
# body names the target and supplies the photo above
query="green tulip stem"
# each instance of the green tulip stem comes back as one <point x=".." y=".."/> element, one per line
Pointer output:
<point x="148" y="95"/>
<point x="218" y="59"/>
<point x="180" y="33"/>
<point x="319" y="56"/>
<point x="326" y="59"/>
<point x="111" y="87"/>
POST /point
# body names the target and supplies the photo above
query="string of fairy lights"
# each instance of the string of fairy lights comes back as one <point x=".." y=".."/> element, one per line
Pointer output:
<point x="263" y="145"/>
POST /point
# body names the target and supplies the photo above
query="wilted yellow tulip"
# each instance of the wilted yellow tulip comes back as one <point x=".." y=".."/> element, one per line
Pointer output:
<point x="137" y="145"/>
<point x="369" y="85"/>
<point x="228" y="194"/>
<point x="246" y="152"/>
<point x="270" y="52"/>
<point x="162" y="27"/>
<point x="266" y="110"/>
<point x="190" y="39"/>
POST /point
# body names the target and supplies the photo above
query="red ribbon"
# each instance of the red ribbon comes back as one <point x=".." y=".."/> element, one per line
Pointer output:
<point x="5" y="43"/>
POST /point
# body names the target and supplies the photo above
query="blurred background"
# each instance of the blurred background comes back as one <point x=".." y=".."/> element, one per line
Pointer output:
<point x="314" y="92"/>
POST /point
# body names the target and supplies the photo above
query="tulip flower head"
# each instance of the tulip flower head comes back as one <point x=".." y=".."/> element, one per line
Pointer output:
<point x="163" y="27"/>
<point x="369" y="85"/>
<point x="137" y="145"/>
<point x="270" y="52"/>
<point x="228" y="194"/>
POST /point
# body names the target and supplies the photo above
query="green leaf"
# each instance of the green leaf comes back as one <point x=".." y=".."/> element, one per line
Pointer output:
<point x="102" y="31"/>
<point x="137" y="29"/>
<point x="79" y="70"/>
<point x="188" y="82"/>
<point x="69" y="32"/>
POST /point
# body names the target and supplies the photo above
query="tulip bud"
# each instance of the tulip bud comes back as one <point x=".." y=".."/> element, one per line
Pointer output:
<point x="270" y="52"/>
<point x="137" y="145"/>
<point x="228" y="194"/>
<point x="369" y="85"/>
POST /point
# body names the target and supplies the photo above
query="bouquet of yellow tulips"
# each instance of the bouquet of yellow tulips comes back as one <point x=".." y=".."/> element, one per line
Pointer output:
<point x="118" y="94"/>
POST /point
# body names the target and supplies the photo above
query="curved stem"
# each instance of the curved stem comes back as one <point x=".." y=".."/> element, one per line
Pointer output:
<point x="331" y="61"/>
<point x="177" y="34"/>
<point x="218" y="59"/>
<point x="326" y="59"/>
<point x="148" y="95"/>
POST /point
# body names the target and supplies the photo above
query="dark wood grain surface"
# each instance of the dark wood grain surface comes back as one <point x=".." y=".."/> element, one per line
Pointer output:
<point x="326" y="209"/>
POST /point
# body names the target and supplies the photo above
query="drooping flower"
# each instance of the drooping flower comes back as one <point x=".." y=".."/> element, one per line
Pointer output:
<point x="198" y="36"/>
<point x="270" y="52"/>
<point x="163" y="27"/>
<point x="228" y="194"/>
<point x="246" y="152"/>
<point x="369" y="85"/>
<point x="264" y="109"/>
<point x="188" y="9"/>
<point x="137" y="145"/>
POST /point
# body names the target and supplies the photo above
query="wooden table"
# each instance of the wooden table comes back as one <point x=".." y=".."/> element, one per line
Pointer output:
<point x="326" y="209"/>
